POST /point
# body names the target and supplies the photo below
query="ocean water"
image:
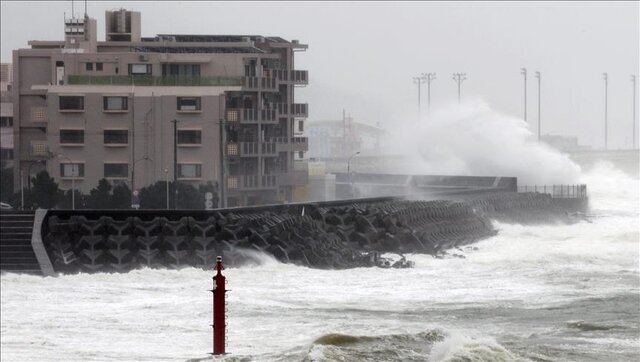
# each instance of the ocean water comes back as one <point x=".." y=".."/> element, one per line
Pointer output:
<point x="531" y="293"/>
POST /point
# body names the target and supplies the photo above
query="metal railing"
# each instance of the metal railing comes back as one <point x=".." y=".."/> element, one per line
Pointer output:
<point x="260" y="83"/>
<point x="557" y="191"/>
<point x="147" y="80"/>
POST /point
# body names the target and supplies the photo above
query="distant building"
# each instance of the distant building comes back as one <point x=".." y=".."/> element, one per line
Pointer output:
<point x="6" y="116"/>
<point x="335" y="139"/>
<point x="88" y="109"/>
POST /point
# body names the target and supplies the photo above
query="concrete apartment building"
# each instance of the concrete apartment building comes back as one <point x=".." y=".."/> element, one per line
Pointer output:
<point x="87" y="109"/>
<point x="6" y="116"/>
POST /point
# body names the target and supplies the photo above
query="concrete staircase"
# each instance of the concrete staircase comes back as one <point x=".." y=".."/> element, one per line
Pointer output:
<point x="16" y="252"/>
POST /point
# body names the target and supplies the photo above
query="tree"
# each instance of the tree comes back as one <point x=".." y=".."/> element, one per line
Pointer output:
<point x="100" y="196"/>
<point x="154" y="196"/>
<point x="45" y="192"/>
<point x="6" y="184"/>
<point x="121" y="198"/>
<point x="67" y="202"/>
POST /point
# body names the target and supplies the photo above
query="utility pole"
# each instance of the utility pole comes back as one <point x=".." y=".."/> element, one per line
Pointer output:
<point x="175" y="163"/>
<point x="605" y="76"/>
<point x="539" y="81"/>
<point x="430" y="77"/>
<point x="633" y="81"/>
<point x="459" y="78"/>
<point x="419" y="81"/>
<point x="523" y="71"/>
<point x="223" y="174"/>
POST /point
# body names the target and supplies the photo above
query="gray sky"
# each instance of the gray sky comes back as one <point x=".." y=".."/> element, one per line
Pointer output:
<point x="362" y="55"/>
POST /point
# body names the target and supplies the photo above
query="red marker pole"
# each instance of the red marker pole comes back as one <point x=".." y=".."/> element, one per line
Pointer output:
<point x="218" y="309"/>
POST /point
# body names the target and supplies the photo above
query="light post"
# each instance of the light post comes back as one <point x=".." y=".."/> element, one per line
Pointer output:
<point x="166" y="178"/>
<point x="73" y="181"/>
<point x="633" y="81"/>
<point x="523" y="71"/>
<point x="539" y="77"/>
<point x="605" y="76"/>
<point x="430" y="77"/>
<point x="459" y="78"/>
<point x="349" y="171"/>
<point x="419" y="80"/>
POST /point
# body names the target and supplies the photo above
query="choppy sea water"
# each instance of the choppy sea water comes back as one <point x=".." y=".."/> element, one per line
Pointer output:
<point x="538" y="293"/>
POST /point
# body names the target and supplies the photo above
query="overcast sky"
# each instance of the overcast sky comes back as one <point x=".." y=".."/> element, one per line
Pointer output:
<point x="362" y="55"/>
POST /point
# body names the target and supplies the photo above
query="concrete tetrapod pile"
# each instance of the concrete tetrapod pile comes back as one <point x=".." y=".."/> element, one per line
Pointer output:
<point x="321" y="236"/>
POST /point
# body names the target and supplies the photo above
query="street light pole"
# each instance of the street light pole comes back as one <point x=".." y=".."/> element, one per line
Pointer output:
<point x="175" y="163"/>
<point x="73" y="181"/>
<point x="605" y="76"/>
<point x="523" y="71"/>
<point x="349" y="171"/>
<point x="633" y="80"/>
<point x="539" y="100"/>
<point x="459" y="78"/>
<point x="223" y="174"/>
<point x="430" y="77"/>
<point x="166" y="178"/>
<point x="419" y="81"/>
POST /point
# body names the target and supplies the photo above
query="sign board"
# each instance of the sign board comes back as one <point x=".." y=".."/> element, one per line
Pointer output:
<point x="208" y="196"/>
<point x="136" y="192"/>
<point x="208" y="204"/>
<point x="135" y="206"/>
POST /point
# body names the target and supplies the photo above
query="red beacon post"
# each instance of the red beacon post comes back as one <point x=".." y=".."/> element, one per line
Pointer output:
<point x="219" y="325"/>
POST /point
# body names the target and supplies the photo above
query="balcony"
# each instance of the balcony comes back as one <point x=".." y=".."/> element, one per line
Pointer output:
<point x="291" y="144"/>
<point x="251" y="182"/>
<point x="262" y="84"/>
<point x="296" y="109"/>
<point x="253" y="149"/>
<point x="39" y="149"/>
<point x="144" y="80"/>
<point x="298" y="77"/>
<point x="250" y="115"/>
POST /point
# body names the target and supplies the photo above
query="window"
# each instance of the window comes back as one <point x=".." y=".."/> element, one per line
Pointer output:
<point x="6" y="153"/>
<point x="72" y="136"/>
<point x="189" y="137"/>
<point x="72" y="170"/>
<point x="140" y="69"/>
<point x="89" y="66"/>
<point x="190" y="170"/>
<point x="71" y="103"/>
<point x="116" y="170"/>
<point x="116" y="136"/>
<point x="185" y="70"/>
<point x="115" y="103"/>
<point x="6" y="121"/>
<point x="188" y="103"/>
<point x="99" y="66"/>
<point x="38" y="114"/>
<point x="300" y="126"/>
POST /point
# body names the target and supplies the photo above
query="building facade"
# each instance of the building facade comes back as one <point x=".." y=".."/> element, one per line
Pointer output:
<point x="119" y="109"/>
<point x="6" y="116"/>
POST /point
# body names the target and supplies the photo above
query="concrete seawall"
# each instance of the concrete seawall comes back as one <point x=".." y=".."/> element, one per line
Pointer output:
<point x="342" y="234"/>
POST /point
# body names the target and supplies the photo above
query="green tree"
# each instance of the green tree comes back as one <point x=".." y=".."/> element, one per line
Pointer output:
<point x="100" y="196"/>
<point x="45" y="192"/>
<point x="121" y="197"/>
<point x="67" y="202"/>
<point x="6" y="184"/>
<point x="154" y="196"/>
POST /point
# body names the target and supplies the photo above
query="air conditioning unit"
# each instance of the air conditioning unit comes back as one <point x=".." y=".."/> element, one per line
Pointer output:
<point x="144" y="57"/>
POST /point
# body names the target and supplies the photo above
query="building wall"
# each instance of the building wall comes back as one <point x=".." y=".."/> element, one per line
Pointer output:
<point x="51" y="69"/>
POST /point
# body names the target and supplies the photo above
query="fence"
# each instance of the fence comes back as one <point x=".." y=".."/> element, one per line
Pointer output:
<point x="557" y="191"/>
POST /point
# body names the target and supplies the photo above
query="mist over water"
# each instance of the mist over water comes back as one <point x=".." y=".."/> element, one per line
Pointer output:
<point x="471" y="139"/>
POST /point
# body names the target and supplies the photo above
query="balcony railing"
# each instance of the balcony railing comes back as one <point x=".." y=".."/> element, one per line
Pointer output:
<point x="251" y="182"/>
<point x="250" y="115"/>
<point x="39" y="149"/>
<point x="295" y="109"/>
<point x="295" y="76"/>
<point x="260" y="83"/>
<point x="144" y="80"/>
<point x="292" y="144"/>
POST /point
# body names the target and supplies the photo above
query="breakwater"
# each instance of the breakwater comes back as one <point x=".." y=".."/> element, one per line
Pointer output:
<point x="340" y="234"/>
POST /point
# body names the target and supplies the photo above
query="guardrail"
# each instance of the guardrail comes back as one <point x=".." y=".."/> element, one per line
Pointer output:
<point x="144" y="80"/>
<point x="557" y="191"/>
